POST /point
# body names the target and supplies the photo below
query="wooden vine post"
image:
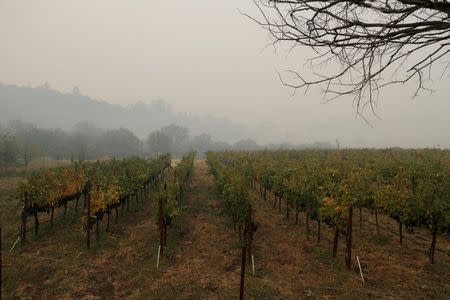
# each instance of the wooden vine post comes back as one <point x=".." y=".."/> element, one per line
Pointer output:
<point x="97" y="228"/>
<point x="243" y="263"/>
<point x="161" y="224"/>
<point x="335" y="241"/>
<point x="23" y="231"/>
<point x="376" y="223"/>
<point x="84" y="198"/>
<point x="88" y="221"/>
<point x="36" y="220"/>
<point x="251" y="229"/>
<point x="76" y="203"/>
<point x="318" y="230"/>
<point x="247" y="240"/>
<point x="51" y="215"/>
<point x="349" y="238"/>
<point x="1" y="279"/>
<point x="433" y="245"/>
<point x="107" y="224"/>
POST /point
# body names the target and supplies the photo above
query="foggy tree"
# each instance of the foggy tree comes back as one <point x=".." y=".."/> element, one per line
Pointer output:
<point x="120" y="143"/>
<point x="84" y="136"/>
<point x="158" y="142"/>
<point x="247" y="144"/>
<point x="87" y="128"/>
<point x="79" y="144"/>
<point x="376" y="43"/>
<point x="220" y="146"/>
<point x="202" y="143"/>
<point x="23" y="133"/>
<point x="8" y="150"/>
<point x="179" y="137"/>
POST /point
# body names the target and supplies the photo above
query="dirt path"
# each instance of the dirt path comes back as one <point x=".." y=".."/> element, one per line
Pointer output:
<point x="206" y="266"/>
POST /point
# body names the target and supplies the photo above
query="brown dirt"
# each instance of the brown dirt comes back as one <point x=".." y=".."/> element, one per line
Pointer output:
<point x="300" y="267"/>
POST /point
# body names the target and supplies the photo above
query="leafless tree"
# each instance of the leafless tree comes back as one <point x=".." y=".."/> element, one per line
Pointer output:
<point x="375" y="42"/>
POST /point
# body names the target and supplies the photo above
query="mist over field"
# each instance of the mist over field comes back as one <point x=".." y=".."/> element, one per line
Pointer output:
<point x="145" y="65"/>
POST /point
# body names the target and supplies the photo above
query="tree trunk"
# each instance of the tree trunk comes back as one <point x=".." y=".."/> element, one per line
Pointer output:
<point x="128" y="203"/>
<point x="335" y="242"/>
<point x="296" y="216"/>
<point x="117" y="214"/>
<point x="279" y="204"/>
<point x="287" y="210"/>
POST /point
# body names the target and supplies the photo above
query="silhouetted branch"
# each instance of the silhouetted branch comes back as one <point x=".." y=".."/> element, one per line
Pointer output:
<point x="370" y="39"/>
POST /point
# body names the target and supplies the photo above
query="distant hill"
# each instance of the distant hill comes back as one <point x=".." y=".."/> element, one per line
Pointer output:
<point x="52" y="109"/>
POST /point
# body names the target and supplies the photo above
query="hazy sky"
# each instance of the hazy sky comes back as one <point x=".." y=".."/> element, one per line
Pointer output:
<point x="200" y="56"/>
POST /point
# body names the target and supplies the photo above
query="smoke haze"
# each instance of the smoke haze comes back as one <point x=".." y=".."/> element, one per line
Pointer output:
<point x="203" y="58"/>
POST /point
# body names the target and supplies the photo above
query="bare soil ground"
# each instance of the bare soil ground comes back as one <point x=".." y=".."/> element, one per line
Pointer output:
<point x="202" y="259"/>
<point x="300" y="267"/>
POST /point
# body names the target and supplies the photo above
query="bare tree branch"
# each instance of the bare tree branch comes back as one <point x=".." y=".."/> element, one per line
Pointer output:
<point x="376" y="43"/>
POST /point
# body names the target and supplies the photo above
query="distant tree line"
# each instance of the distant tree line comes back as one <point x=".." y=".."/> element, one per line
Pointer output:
<point x="21" y="142"/>
<point x="177" y="140"/>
